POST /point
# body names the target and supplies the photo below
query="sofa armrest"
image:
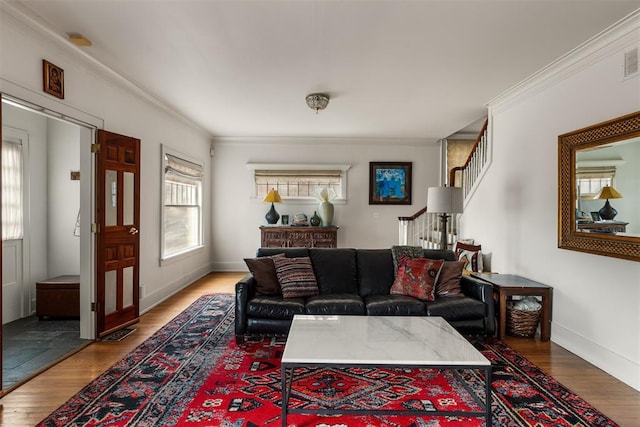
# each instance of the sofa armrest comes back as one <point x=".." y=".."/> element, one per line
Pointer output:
<point x="482" y="291"/>
<point x="245" y="290"/>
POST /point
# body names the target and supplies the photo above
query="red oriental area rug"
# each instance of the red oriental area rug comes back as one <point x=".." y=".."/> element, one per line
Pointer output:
<point x="191" y="373"/>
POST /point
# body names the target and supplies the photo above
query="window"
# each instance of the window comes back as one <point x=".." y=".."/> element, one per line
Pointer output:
<point x="181" y="204"/>
<point x="591" y="179"/>
<point x="12" y="228"/>
<point x="299" y="183"/>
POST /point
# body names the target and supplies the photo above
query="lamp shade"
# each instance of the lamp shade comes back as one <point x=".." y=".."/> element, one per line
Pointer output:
<point x="272" y="196"/>
<point x="608" y="193"/>
<point x="445" y="200"/>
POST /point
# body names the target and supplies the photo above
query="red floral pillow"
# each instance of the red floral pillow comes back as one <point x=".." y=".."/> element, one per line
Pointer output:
<point x="417" y="278"/>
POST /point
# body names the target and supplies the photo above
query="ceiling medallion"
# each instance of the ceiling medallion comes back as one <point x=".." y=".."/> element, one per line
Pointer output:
<point x="317" y="101"/>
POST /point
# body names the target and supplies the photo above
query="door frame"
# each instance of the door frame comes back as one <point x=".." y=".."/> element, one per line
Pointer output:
<point x="88" y="124"/>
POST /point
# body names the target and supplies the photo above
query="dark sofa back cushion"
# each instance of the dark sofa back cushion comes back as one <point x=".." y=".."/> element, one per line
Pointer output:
<point x="335" y="270"/>
<point x="446" y="255"/>
<point x="375" y="271"/>
<point x="288" y="252"/>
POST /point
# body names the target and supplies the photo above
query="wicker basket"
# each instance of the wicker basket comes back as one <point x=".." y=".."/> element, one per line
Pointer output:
<point x="522" y="323"/>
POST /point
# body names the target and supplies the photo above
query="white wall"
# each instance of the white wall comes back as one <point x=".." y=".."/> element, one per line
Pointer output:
<point x="514" y="213"/>
<point x="237" y="216"/>
<point x="63" y="198"/>
<point x="95" y="95"/>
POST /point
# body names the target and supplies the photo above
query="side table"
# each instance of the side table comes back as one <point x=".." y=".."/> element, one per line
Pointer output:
<point x="506" y="285"/>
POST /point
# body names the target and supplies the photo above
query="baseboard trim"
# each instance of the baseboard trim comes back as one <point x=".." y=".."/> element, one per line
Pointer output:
<point x="152" y="300"/>
<point x="229" y="267"/>
<point x="614" y="364"/>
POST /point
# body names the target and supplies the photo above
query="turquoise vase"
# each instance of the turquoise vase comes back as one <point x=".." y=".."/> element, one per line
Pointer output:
<point x="326" y="213"/>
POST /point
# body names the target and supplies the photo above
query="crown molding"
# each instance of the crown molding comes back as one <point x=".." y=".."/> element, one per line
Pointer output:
<point x="292" y="140"/>
<point x="16" y="11"/>
<point x="624" y="33"/>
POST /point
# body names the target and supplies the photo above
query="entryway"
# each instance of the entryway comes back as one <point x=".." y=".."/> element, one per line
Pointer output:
<point x="41" y="236"/>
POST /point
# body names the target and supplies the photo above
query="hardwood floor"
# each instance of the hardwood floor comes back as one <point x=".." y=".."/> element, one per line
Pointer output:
<point x="33" y="401"/>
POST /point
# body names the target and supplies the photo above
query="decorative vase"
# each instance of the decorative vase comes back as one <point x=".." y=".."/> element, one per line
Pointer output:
<point x="326" y="213"/>
<point x="315" y="219"/>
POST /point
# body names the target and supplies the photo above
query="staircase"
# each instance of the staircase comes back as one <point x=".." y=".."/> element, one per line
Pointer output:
<point x="425" y="229"/>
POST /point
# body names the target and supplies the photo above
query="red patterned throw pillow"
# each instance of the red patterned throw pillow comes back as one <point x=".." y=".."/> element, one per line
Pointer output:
<point x="296" y="277"/>
<point x="417" y="278"/>
<point x="471" y="255"/>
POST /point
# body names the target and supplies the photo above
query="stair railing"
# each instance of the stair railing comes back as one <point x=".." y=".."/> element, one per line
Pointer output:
<point x="425" y="229"/>
<point x="472" y="170"/>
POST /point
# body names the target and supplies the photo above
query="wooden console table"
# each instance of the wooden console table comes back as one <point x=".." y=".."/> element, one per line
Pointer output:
<point x="507" y="285"/>
<point x="287" y="236"/>
<point x="604" y="227"/>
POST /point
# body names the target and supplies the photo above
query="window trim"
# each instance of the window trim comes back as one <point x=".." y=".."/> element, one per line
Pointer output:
<point x="343" y="168"/>
<point x="167" y="259"/>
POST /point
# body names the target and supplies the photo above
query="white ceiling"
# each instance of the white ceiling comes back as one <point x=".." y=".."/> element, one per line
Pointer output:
<point x="393" y="69"/>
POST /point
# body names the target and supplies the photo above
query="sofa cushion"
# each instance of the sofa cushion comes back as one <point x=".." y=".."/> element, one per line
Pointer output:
<point x="288" y="252"/>
<point x="274" y="307"/>
<point x="401" y="254"/>
<point x="375" y="271"/>
<point x="394" y="305"/>
<point x="296" y="277"/>
<point x="448" y="284"/>
<point x="417" y="278"/>
<point x="335" y="270"/>
<point x="264" y="272"/>
<point x="444" y="254"/>
<point x="335" y="304"/>
<point x="456" y="308"/>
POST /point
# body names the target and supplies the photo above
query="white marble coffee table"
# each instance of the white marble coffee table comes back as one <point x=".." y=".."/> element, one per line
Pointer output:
<point x="385" y="341"/>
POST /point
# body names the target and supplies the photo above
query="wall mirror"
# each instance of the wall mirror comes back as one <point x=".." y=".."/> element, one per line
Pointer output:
<point x="603" y="155"/>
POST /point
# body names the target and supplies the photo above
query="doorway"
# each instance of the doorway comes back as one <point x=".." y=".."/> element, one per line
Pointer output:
<point x="54" y="239"/>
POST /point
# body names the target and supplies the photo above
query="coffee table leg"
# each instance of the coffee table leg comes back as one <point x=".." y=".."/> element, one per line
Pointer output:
<point x="488" y="397"/>
<point x="285" y="396"/>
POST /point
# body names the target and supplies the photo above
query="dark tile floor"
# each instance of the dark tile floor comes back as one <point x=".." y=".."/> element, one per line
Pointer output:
<point x="30" y="345"/>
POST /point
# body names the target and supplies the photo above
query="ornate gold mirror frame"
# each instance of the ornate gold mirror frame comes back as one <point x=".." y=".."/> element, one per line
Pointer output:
<point x="613" y="245"/>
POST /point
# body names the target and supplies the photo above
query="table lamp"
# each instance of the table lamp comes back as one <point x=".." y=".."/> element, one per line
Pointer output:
<point x="272" y="196"/>
<point x="445" y="201"/>
<point x="607" y="212"/>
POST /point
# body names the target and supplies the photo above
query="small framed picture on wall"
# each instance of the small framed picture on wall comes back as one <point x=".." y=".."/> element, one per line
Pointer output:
<point x="390" y="183"/>
<point x="53" y="79"/>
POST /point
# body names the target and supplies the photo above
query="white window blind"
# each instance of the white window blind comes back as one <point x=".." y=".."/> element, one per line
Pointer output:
<point x="591" y="179"/>
<point x="12" y="226"/>
<point x="182" y="205"/>
<point x="299" y="182"/>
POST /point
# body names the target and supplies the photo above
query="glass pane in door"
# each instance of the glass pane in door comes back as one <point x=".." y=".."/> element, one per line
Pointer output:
<point x="129" y="197"/>
<point x="110" y="287"/>
<point x="127" y="287"/>
<point x="111" y="198"/>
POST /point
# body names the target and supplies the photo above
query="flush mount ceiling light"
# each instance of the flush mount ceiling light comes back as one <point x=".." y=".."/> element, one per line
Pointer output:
<point x="79" y="39"/>
<point x="317" y="101"/>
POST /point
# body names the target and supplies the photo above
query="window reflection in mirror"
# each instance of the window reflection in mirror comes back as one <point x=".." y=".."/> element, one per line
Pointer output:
<point x="615" y="165"/>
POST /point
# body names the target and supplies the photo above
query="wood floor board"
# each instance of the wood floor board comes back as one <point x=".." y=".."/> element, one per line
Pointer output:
<point x="30" y="403"/>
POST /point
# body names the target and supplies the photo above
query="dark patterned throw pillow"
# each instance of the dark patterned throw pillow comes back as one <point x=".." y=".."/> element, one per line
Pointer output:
<point x="296" y="277"/>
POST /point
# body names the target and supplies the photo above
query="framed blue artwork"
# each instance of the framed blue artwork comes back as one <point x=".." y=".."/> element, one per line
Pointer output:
<point x="390" y="183"/>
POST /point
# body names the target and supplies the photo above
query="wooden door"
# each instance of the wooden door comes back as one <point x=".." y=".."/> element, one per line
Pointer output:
<point x="118" y="241"/>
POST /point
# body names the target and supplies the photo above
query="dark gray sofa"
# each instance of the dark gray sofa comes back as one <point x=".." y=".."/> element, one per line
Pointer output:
<point x="357" y="282"/>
